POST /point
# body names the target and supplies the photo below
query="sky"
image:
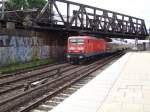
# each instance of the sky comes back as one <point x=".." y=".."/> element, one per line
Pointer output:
<point x="135" y="8"/>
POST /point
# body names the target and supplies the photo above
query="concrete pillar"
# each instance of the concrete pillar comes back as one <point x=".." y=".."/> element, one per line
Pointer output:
<point x="10" y="25"/>
<point x="136" y="43"/>
<point x="0" y="25"/>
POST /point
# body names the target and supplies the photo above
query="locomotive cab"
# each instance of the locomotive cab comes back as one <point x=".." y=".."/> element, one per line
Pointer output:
<point x="82" y="48"/>
<point x="76" y="49"/>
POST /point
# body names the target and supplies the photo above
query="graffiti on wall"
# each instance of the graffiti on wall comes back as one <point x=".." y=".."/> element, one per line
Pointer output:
<point x="7" y="41"/>
<point x="21" y="49"/>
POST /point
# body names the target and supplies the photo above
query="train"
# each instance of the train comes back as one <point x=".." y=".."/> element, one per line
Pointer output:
<point x="83" y="48"/>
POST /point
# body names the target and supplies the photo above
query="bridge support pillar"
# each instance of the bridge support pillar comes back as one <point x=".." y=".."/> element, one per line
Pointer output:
<point x="136" y="43"/>
<point x="10" y="25"/>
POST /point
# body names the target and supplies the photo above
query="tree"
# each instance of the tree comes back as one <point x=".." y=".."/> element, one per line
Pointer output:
<point x="148" y="37"/>
<point x="36" y="4"/>
<point x="15" y="4"/>
<point x="24" y="4"/>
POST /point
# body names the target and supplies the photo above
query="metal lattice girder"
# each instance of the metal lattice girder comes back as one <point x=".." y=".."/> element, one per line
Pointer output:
<point x="70" y="16"/>
<point x="94" y="21"/>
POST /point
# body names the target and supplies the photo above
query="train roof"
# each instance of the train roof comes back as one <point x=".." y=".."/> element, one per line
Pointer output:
<point x="83" y="37"/>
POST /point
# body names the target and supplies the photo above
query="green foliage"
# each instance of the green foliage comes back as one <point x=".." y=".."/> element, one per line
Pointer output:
<point x="15" y="4"/>
<point x="24" y="4"/>
<point x="36" y="4"/>
<point x="19" y="66"/>
<point x="148" y="37"/>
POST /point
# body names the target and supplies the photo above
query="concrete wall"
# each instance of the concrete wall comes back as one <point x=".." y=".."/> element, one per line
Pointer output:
<point x="14" y="49"/>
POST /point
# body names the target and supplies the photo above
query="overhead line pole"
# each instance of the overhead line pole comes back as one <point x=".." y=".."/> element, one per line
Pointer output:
<point x="3" y="9"/>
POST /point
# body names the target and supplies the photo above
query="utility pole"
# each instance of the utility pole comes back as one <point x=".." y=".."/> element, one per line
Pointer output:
<point x="149" y="38"/>
<point x="3" y="9"/>
<point x="136" y="43"/>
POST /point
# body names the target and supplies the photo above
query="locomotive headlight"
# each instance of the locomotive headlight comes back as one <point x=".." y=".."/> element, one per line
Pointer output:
<point x="68" y="56"/>
<point x="80" y="48"/>
<point x="80" y="57"/>
<point x="71" y="48"/>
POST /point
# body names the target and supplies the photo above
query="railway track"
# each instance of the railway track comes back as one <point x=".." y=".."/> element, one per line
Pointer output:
<point x="57" y="99"/>
<point x="48" y="88"/>
<point x="27" y="70"/>
<point x="23" y="82"/>
<point x="29" y="75"/>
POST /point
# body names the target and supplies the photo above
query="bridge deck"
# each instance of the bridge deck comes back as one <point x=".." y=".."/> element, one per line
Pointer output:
<point x="75" y="18"/>
<point x="122" y="87"/>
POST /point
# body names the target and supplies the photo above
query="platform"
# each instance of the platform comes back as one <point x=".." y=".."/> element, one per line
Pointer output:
<point x="122" y="87"/>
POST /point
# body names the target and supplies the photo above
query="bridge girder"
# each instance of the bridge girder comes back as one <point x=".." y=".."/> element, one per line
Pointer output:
<point x="67" y="16"/>
<point x="90" y="19"/>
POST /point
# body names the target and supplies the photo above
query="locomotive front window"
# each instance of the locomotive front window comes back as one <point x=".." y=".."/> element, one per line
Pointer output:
<point x="73" y="41"/>
<point x="80" y="41"/>
<point x="77" y="41"/>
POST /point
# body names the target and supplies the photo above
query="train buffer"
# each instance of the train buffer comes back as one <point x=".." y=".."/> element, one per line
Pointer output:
<point x="122" y="87"/>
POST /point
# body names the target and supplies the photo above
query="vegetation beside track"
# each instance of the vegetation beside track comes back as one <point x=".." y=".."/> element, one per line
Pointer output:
<point x="20" y="66"/>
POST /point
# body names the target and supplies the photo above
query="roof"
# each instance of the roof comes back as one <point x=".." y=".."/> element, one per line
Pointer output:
<point x="82" y="37"/>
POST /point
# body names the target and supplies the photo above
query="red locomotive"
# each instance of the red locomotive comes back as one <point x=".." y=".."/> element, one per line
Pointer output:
<point x="85" y="47"/>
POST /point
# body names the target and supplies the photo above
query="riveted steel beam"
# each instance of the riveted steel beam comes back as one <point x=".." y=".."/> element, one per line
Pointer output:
<point x="69" y="16"/>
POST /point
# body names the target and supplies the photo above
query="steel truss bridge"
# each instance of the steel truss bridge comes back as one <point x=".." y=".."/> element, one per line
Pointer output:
<point x="67" y="16"/>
